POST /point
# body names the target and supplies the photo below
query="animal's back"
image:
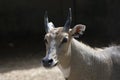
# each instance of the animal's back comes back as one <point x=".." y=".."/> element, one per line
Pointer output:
<point x="89" y="64"/>
<point x="115" y="56"/>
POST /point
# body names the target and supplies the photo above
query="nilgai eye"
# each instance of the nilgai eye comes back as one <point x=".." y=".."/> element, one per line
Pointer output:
<point x="45" y="40"/>
<point x="64" y="40"/>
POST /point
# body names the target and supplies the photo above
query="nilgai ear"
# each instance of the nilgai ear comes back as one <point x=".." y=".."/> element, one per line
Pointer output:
<point x="50" y="26"/>
<point x="78" y="29"/>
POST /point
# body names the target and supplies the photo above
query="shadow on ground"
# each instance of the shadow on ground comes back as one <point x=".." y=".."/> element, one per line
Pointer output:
<point x="20" y="54"/>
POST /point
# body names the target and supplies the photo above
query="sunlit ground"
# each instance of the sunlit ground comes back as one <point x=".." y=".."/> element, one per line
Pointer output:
<point x="22" y="61"/>
<point x="27" y="68"/>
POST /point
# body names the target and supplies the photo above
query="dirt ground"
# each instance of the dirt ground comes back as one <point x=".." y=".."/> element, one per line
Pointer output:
<point x="27" y="68"/>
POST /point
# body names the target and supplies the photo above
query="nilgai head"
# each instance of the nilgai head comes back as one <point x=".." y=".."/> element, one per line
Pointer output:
<point x="58" y="40"/>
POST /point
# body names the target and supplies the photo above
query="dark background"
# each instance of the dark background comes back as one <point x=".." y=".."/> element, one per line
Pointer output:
<point x="22" y="26"/>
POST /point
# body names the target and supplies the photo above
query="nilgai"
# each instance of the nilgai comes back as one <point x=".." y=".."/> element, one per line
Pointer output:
<point x="77" y="60"/>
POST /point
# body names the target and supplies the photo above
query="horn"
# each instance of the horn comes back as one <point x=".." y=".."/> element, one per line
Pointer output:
<point x="46" y="21"/>
<point x="68" y="21"/>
